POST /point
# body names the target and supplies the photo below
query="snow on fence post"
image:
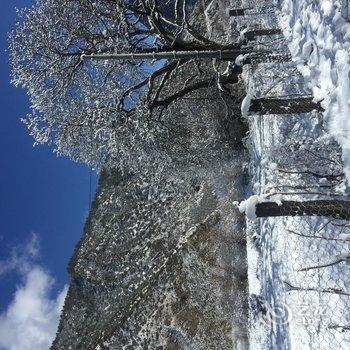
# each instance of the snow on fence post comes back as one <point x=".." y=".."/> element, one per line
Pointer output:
<point x="331" y="208"/>
<point x="284" y="105"/>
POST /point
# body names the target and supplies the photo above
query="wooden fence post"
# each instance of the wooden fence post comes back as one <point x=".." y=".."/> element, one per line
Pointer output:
<point x="278" y="57"/>
<point x="284" y="105"/>
<point x="251" y="34"/>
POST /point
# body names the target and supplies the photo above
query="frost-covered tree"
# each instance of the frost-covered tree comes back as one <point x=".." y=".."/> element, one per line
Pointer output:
<point x="109" y="112"/>
<point x="151" y="249"/>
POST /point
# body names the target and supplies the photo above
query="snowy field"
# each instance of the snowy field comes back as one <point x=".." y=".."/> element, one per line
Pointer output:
<point x="299" y="271"/>
<point x="318" y="34"/>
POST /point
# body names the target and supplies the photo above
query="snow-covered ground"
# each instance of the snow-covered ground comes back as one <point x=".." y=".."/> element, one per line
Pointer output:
<point x="318" y="35"/>
<point x="299" y="277"/>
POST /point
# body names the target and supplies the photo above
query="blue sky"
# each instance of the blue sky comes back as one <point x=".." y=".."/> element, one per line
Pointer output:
<point x="39" y="192"/>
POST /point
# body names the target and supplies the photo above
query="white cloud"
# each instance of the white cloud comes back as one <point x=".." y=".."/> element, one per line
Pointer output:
<point x="21" y="257"/>
<point x="31" y="319"/>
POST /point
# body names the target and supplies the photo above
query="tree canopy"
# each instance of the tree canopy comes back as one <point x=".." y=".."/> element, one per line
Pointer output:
<point x="102" y="112"/>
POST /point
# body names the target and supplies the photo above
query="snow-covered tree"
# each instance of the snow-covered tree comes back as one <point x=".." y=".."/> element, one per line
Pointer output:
<point x="108" y="112"/>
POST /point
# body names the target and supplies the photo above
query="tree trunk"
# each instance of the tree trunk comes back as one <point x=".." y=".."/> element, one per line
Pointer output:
<point x="284" y="105"/>
<point x="207" y="54"/>
<point x="332" y="208"/>
<point x="250" y="55"/>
